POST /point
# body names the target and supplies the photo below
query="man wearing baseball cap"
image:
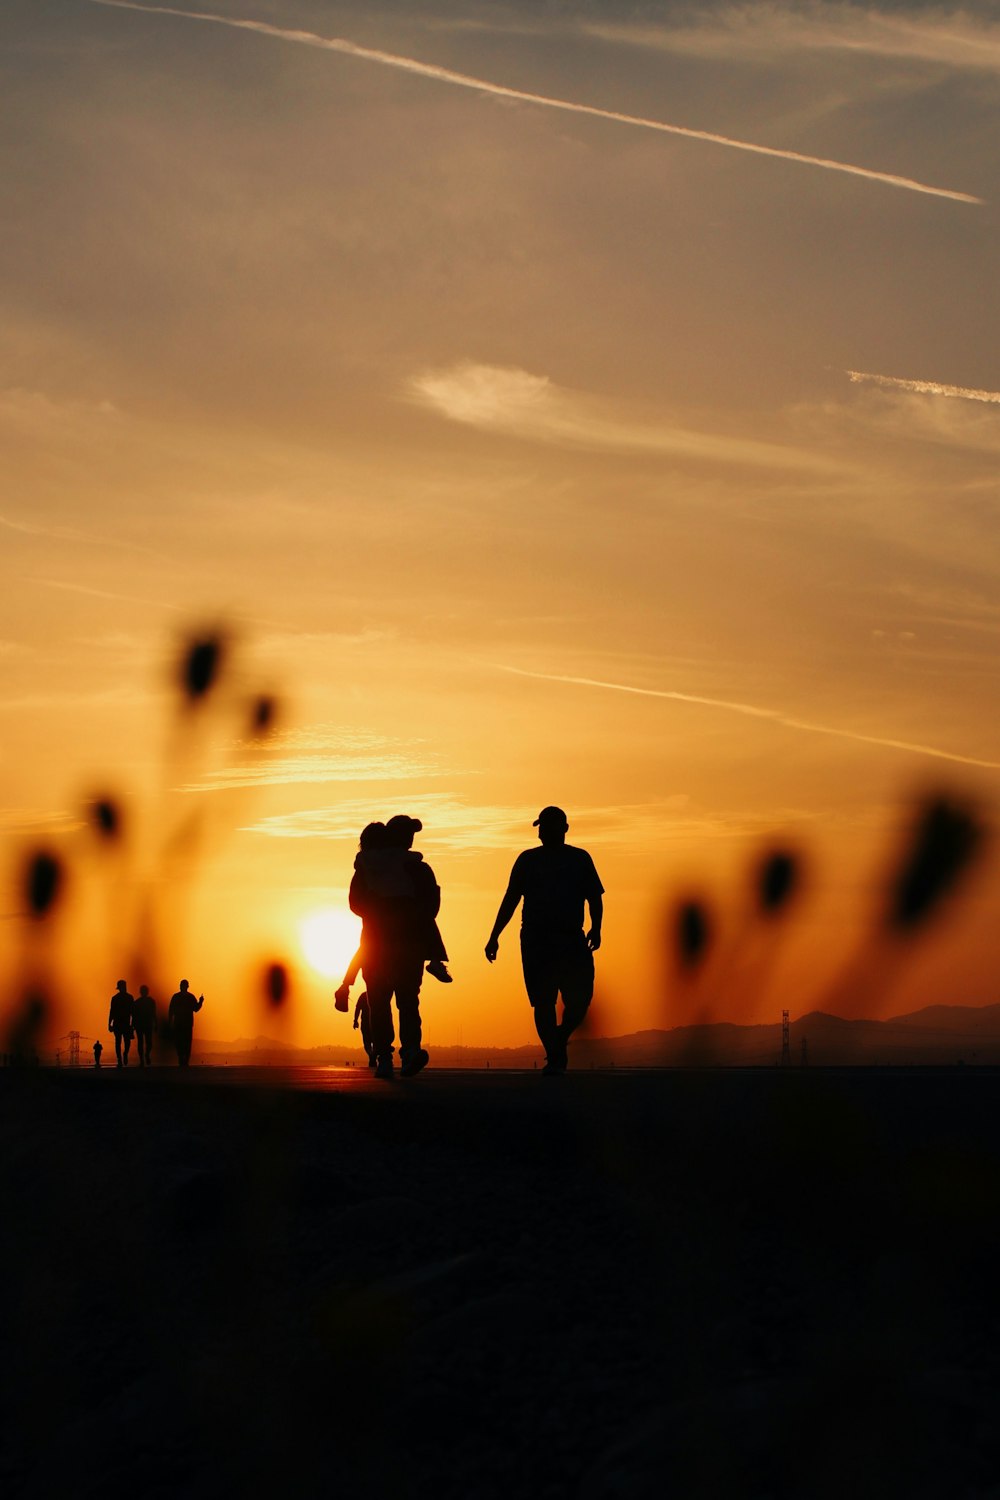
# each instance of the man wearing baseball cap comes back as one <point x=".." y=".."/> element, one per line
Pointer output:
<point x="554" y="881"/>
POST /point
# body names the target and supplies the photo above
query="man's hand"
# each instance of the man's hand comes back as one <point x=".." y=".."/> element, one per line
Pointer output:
<point x="594" y="939"/>
<point x="492" y="949"/>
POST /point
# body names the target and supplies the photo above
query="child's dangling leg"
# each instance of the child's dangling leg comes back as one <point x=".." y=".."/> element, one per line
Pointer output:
<point x="438" y="955"/>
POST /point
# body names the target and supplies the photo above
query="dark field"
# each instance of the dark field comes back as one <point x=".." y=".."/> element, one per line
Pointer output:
<point x="718" y="1283"/>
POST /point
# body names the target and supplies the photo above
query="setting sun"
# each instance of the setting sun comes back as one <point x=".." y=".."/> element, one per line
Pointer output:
<point x="329" y="938"/>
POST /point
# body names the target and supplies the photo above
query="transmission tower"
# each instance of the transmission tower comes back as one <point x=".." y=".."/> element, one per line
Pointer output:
<point x="786" y="1052"/>
<point x="74" y="1049"/>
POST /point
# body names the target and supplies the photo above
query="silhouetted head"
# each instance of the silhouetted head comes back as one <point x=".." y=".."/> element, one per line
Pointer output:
<point x="552" y="824"/>
<point x="399" y="831"/>
<point x="122" y="985"/>
<point x="144" y="989"/>
<point x="372" y="836"/>
<point x="184" y="984"/>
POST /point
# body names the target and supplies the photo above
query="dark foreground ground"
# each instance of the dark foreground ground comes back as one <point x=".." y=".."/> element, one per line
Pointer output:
<point x="685" y="1284"/>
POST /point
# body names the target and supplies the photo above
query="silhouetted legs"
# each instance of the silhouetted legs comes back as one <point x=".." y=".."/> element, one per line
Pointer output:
<point x="399" y="973"/>
<point x="183" y="1036"/>
<point x="367" y="1040"/>
<point x="144" y="1046"/>
<point x="566" y="969"/>
<point x="123" y="1041"/>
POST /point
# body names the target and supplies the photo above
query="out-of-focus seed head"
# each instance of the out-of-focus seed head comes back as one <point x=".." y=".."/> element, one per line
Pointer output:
<point x="263" y="713"/>
<point x="106" y="818"/>
<point x="944" y="839"/>
<point x="778" y="877"/>
<point x="276" y="984"/>
<point x="692" y="933"/>
<point x="200" y="666"/>
<point x="43" y="882"/>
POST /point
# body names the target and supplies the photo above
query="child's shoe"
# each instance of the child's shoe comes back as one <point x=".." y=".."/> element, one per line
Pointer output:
<point x="439" y="969"/>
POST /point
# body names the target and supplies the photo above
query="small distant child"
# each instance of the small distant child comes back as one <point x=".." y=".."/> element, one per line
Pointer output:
<point x="363" y="1018"/>
<point x="386" y="874"/>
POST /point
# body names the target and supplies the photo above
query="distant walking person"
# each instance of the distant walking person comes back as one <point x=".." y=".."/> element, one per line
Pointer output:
<point x="98" y="1049"/>
<point x="145" y="1024"/>
<point x="396" y="901"/>
<point x="554" y="882"/>
<point x="180" y="1019"/>
<point x="121" y="1022"/>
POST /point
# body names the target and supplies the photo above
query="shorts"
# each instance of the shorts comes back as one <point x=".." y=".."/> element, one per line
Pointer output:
<point x="558" y="966"/>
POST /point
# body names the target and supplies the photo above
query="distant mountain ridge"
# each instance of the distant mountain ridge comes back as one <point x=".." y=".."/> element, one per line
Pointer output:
<point x="937" y="1034"/>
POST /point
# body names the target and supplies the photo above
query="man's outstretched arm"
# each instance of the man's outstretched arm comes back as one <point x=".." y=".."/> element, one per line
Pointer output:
<point x="596" y="905"/>
<point x="508" y="906"/>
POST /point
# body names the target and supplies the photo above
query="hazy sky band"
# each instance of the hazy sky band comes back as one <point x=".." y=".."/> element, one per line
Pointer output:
<point x="751" y="711"/>
<point x="463" y="80"/>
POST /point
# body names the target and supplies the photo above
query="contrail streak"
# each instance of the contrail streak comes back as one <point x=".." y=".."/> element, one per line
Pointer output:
<point x="483" y="86"/>
<point x="748" y="710"/>
<point x="924" y="387"/>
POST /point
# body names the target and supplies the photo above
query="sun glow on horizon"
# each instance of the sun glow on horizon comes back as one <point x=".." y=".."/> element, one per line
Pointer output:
<point x="329" y="938"/>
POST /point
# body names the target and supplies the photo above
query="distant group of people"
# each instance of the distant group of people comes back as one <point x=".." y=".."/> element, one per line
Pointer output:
<point x="397" y="897"/>
<point x="135" y="1016"/>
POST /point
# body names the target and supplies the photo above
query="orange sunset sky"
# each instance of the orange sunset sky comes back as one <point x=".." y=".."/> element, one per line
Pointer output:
<point x="530" y="454"/>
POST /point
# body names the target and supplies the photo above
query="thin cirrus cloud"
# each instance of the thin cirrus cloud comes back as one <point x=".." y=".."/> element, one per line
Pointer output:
<point x="947" y="38"/>
<point x="319" y="754"/>
<point x="749" y="710"/>
<point x="448" y="822"/>
<point x="469" y="828"/>
<point x="923" y="387"/>
<point x="517" y="403"/>
<point x="502" y="91"/>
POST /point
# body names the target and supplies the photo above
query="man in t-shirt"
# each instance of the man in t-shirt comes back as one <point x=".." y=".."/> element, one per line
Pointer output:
<point x="120" y="1022"/>
<point x="554" y="882"/>
<point x="144" y="1013"/>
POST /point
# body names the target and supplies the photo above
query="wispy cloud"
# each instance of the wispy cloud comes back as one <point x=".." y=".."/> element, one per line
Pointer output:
<point x="948" y="38"/>
<point x="310" y="757"/>
<point x="752" y="711"/>
<point x="140" y="601"/>
<point x="923" y="387"/>
<point x="448" y="822"/>
<point x="468" y="828"/>
<point x="484" y="86"/>
<point x="519" y="404"/>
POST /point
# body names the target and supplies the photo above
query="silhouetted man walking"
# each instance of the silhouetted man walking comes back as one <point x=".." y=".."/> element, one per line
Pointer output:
<point x="180" y="1019"/>
<point x="554" y="881"/>
<point x="144" y="1012"/>
<point x="120" y="1022"/>
<point x="395" y="912"/>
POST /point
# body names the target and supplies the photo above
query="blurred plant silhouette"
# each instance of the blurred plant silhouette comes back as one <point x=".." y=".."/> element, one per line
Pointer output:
<point x="276" y="984"/>
<point x="942" y="843"/>
<point x="724" y="970"/>
<point x="778" y="876"/>
<point x="43" y="883"/>
<point x="146" y="856"/>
